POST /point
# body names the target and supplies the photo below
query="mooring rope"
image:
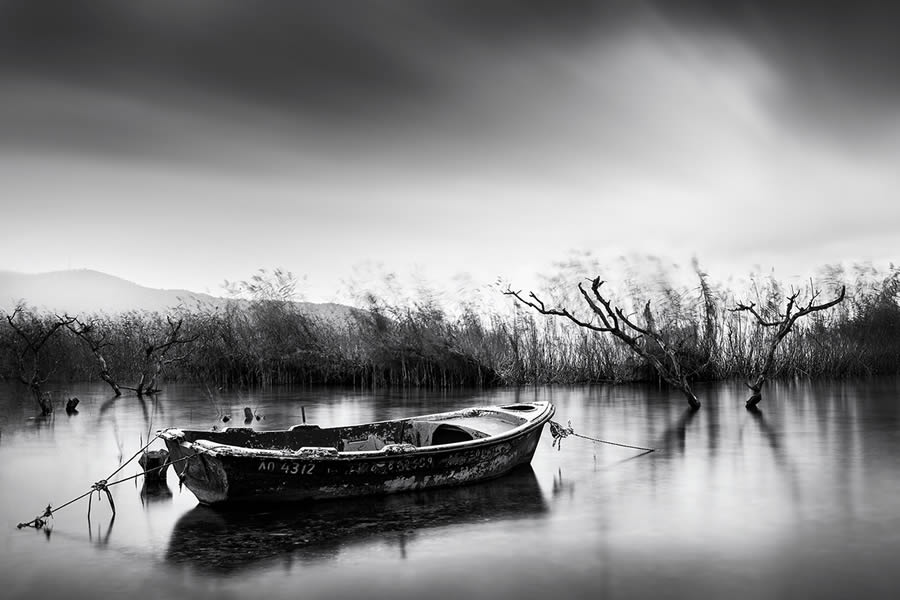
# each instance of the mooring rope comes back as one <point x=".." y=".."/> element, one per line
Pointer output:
<point x="102" y="485"/>
<point x="136" y="454"/>
<point x="559" y="432"/>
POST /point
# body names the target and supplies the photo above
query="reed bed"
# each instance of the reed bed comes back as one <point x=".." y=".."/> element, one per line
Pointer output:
<point x="269" y="341"/>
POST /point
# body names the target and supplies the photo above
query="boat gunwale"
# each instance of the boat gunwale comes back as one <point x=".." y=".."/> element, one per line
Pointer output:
<point x="327" y="453"/>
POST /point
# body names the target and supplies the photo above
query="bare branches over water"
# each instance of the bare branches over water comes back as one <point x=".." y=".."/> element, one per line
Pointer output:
<point x="267" y="339"/>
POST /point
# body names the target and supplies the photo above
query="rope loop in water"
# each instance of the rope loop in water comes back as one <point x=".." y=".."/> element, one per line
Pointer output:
<point x="100" y="486"/>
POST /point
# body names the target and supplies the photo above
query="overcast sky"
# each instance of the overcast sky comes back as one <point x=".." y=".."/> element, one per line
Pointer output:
<point x="178" y="144"/>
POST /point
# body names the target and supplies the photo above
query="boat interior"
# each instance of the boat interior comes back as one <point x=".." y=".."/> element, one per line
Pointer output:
<point x="420" y="432"/>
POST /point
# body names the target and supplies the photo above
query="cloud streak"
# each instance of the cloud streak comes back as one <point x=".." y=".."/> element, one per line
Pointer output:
<point x="490" y="136"/>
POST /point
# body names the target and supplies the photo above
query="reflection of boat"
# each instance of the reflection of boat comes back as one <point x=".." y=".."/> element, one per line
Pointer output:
<point x="307" y="462"/>
<point x="222" y="540"/>
<point x="155" y="491"/>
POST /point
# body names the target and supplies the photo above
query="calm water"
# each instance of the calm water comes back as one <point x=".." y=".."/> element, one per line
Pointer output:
<point x="801" y="500"/>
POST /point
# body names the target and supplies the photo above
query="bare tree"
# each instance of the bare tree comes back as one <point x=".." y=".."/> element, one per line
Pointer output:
<point x="781" y="323"/>
<point x="33" y="333"/>
<point x="157" y="355"/>
<point x="91" y="334"/>
<point x="646" y="341"/>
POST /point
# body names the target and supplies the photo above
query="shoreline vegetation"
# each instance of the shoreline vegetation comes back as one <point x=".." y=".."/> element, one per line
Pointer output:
<point x="259" y="337"/>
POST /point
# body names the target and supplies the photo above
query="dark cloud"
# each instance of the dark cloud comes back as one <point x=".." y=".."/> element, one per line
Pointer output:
<point x="382" y="62"/>
<point x="323" y="55"/>
<point x="301" y="47"/>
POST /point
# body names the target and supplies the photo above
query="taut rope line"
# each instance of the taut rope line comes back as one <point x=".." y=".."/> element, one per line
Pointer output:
<point x="559" y="432"/>
<point x="102" y="485"/>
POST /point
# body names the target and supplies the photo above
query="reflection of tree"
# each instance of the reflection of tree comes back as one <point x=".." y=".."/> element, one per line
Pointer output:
<point x="149" y="412"/>
<point x="674" y="437"/>
<point x="561" y="486"/>
<point x="782" y="460"/>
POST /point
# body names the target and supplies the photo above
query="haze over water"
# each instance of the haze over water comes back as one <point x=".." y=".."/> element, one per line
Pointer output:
<point x="796" y="501"/>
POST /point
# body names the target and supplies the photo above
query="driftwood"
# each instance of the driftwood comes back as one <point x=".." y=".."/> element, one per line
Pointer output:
<point x="643" y="341"/>
<point x="782" y="327"/>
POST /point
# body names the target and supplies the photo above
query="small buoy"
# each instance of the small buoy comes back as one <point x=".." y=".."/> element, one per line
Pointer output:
<point x="226" y="418"/>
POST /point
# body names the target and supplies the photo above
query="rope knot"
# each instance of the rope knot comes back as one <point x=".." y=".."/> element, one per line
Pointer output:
<point x="559" y="432"/>
<point x="38" y="522"/>
<point x="100" y="486"/>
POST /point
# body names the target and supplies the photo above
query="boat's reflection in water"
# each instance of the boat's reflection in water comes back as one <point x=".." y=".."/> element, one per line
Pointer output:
<point x="225" y="540"/>
<point x="155" y="491"/>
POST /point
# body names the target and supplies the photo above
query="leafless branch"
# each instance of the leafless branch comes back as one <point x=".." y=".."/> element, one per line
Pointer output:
<point x="610" y="318"/>
<point x="784" y="324"/>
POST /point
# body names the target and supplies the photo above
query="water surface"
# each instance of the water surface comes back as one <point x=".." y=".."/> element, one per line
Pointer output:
<point x="798" y="500"/>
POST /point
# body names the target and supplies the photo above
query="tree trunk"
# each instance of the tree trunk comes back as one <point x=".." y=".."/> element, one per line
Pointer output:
<point x="754" y="399"/>
<point x="104" y="375"/>
<point x="644" y="341"/>
<point x="691" y="398"/>
<point x="44" y="401"/>
<point x="756" y="396"/>
<point x="783" y="323"/>
<point x="154" y="378"/>
<point x="673" y="376"/>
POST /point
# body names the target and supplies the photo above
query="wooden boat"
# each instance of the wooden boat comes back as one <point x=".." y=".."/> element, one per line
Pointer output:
<point x="307" y="462"/>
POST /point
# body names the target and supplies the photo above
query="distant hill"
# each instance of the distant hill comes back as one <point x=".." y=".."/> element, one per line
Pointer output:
<point x="84" y="291"/>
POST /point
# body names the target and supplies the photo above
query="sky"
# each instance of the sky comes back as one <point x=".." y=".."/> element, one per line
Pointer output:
<point x="180" y="144"/>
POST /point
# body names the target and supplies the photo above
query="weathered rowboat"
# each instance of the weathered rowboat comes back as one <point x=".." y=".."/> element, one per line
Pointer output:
<point x="307" y="462"/>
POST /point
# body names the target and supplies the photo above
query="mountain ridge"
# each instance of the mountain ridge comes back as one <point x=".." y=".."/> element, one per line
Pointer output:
<point x="88" y="291"/>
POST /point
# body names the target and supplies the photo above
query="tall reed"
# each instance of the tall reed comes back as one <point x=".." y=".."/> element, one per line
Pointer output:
<point x="265" y="340"/>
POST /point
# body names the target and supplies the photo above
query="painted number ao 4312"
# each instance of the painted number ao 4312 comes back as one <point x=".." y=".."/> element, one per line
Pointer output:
<point x="285" y="467"/>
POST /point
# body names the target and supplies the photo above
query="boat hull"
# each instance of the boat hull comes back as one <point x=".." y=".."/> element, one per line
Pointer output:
<point x="218" y="476"/>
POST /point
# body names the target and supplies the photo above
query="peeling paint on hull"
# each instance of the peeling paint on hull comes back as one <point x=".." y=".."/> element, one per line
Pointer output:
<point x="218" y="472"/>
